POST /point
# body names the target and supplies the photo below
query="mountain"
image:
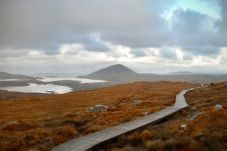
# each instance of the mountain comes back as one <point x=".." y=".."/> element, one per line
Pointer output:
<point x="115" y="73"/>
<point x="122" y="74"/>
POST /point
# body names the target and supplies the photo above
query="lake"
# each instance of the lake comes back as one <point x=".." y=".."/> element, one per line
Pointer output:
<point x="39" y="88"/>
<point x="47" y="88"/>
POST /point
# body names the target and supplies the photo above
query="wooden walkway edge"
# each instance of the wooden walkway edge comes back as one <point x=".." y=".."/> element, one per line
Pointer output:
<point x="88" y="141"/>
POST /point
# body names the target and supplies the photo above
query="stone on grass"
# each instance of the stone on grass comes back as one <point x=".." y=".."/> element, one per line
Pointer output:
<point x="145" y="113"/>
<point x="8" y="124"/>
<point x="136" y="102"/>
<point x="98" y="108"/>
<point x="225" y="85"/>
<point x="183" y="127"/>
<point x="201" y="137"/>
<point x="218" y="107"/>
<point x="194" y="108"/>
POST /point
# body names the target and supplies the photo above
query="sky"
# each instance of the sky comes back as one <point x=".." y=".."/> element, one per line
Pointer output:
<point x="81" y="36"/>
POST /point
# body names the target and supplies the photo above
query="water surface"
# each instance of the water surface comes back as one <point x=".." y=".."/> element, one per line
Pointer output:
<point x="39" y="88"/>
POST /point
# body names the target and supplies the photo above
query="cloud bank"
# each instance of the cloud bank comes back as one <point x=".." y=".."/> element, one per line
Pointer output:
<point x="40" y="35"/>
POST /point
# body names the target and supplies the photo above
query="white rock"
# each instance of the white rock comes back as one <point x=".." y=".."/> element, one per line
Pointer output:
<point x="194" y="108"/>
<point x="98" y="108"/>
<point x="183" y="127"/>
<point x="136" y="102"/>
<point x="218" y="107"/>
<point x="145" y="113"/>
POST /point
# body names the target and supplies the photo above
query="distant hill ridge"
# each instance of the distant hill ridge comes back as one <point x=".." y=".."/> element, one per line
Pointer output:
<point x="4" y="75"/>
<point x="121" y="74"/>
<point x="181" y="73"/>
<point x="118" y="73"/>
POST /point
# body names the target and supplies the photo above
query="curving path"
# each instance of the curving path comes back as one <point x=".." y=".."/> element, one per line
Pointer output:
<point x="88" y="141"/>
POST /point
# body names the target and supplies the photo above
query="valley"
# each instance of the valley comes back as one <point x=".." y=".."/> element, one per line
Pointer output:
<point x="116" y="75"/>
<point x="111" y="75"/>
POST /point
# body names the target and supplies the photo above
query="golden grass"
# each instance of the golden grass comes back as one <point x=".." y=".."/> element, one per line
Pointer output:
<point x="207" y="132"/>
<point x="45" y="121"/>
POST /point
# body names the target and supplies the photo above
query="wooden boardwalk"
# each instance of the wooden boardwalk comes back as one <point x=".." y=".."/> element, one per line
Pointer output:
<point x="88" y="141"/>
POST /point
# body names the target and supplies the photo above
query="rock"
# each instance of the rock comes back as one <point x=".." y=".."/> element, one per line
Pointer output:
<point x="183" y="127"/>
<point x="212" y="84"/>
<point x="136" y="102"/>
<point x="145" y="113"/>
<point x="218" y="107"/>
<point x="8" y="124"/>
<point x="200" y="137"/>
<point x="225" y="85"/>
<point x="205" y="140"/>
<point x="98" y="108"/>
<point x="194" y="108"/>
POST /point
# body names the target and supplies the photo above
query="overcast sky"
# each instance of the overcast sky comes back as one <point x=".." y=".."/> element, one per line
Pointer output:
<point x="80" y="36"/>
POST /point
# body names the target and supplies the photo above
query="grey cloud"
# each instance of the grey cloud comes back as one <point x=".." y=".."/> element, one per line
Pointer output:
<point x="138" y="52"/>
<point x="196" y="33"/>
<point x="190" y="28"/>
<point x="223" y="23"/>
<point x="168" y="53"/>
<point x="47" y="24"/>
<point x="202" y="50"/>
<point x="93" y="43"/>
<point x="12" y="53"/>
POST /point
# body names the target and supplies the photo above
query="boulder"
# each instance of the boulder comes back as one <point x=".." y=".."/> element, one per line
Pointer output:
<point x="200" y="137"/>
<point x="225" y="85"/>
<point x="136" y="102"/>
<point x="218" y="107"/>
<point x="98" y="108"/>
<point x="8" y="124"/>
<point x="183" y="127"/>
<point x="194" y="108"/>
<point x="145" y="113"/>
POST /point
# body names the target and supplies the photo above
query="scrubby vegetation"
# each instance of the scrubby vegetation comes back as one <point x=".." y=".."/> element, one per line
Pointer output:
<point x="206" y="127"/>
<point x="40" y="122"/>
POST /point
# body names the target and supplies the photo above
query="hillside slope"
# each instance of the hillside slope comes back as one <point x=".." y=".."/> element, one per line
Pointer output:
<point x="42" y="122"/>
<point x="4" y="75"/>
<point x="201" y="127"/>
